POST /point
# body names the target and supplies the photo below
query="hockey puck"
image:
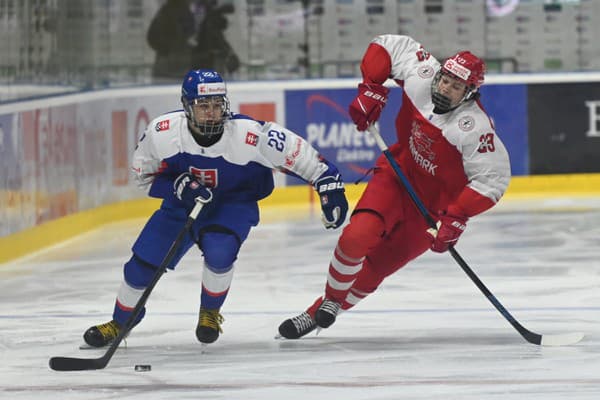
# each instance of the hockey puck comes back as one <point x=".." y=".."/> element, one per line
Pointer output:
<point x="143" y="367"/>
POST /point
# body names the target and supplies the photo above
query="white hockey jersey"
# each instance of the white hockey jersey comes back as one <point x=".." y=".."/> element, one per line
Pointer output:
<point x="238" y="167"/>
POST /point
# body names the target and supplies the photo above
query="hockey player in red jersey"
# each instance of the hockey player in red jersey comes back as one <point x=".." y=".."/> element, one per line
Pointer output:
<point x="448" y="149"/>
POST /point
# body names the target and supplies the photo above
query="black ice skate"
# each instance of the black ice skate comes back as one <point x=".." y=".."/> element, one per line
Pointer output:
<point x="296" y="327"/>
<point x="209" y="325"/>
<point x="102" y="335"/>
<point x="326" y="313"/>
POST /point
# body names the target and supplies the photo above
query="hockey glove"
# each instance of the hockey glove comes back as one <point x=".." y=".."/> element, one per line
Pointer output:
<point x="189" y="190"/>
<point x="368" y="104"/>
<point x="333" y="200"/>
<point x="450" y="227"/>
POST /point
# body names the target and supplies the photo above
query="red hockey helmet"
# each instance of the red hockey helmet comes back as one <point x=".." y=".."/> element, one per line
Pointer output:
<point x="466" y="67"/>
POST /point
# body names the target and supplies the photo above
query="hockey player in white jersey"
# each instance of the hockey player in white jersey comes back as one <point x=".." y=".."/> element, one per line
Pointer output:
<point x="227" y="160"/>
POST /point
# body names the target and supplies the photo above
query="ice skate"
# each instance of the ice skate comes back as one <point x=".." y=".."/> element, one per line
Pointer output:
<point x="326" y="313"/>
<point x="298" y="326"/>
<point x="209" y="325"/>
<point x="102" y="335"/>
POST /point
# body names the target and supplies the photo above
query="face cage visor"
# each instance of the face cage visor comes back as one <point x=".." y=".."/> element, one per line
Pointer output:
<point x="444" y="103"/>
<point x="207" y="115"/>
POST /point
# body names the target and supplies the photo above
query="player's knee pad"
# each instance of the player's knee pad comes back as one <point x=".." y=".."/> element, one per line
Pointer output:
<point x="363" y="232"/>
<point x="138" y="273"/>
<point x="220" y="249"/>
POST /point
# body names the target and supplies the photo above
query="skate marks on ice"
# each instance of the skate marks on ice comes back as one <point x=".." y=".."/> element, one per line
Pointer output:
<point x="420" y="353"/>
<point x="420" y="362"/>
<point x="428" y="333"/>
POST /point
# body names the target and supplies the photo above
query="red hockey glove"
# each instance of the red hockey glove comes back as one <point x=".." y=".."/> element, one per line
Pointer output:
<point x="450" y="227"/>
<point x="366" y="108"/>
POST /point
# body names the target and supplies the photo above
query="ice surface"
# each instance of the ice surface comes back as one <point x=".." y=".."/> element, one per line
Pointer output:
<point x="428" y="333"/>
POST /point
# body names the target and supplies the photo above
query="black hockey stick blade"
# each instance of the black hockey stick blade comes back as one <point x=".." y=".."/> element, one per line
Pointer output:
<point x="77" y="364"/>
<point x="82" y="364"/>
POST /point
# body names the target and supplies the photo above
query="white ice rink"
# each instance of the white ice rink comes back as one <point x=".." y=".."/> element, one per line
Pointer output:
<point x="428" y="333"/>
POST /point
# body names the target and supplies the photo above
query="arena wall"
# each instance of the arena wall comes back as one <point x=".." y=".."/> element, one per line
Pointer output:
<point x="65" y="159"/>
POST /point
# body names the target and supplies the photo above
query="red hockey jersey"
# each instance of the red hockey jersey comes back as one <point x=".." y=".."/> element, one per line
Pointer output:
<point x="455" y="161"/>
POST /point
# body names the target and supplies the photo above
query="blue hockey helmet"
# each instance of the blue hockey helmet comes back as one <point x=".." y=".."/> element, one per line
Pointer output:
<point x="204" y="98"/>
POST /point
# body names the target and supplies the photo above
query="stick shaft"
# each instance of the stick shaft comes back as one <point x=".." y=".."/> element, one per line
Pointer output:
<point x="80" y="364"/>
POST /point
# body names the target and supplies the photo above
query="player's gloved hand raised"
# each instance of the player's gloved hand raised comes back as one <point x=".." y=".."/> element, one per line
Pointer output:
<point x="333" y="200"/>
<point x="189" y="190"/>
<point x="366" y="108"/>
<point x="450" y="227"/>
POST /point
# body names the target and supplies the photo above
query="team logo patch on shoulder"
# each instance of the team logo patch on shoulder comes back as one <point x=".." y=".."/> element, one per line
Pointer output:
<point x="251" y="139"/>
<point x="425" y="71"/>
<point x="422" y="54"/>
<point x="162" y="125"/>
<point x="466" y="123"/>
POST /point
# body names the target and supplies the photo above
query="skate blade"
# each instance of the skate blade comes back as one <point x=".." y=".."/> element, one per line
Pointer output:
<point x="85" y="346"/>
<point x="203" y="348"/>
<point x="279" y="336"/>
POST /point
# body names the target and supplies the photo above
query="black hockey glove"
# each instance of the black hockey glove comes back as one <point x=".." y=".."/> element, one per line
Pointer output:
<point x="333" y="200"/>
<point x="189" y="190"/>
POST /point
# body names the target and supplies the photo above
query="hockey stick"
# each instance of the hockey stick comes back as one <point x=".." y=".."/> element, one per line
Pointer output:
<point x="531" y="337"/>
<point x="81" y="364"/>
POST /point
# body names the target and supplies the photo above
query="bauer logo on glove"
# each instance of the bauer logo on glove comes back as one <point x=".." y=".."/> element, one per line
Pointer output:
<point x="327" y="187"/>
<point x="333" y="200"/>
<point x="366" y="108"/>
<point x="376" y="96"/>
